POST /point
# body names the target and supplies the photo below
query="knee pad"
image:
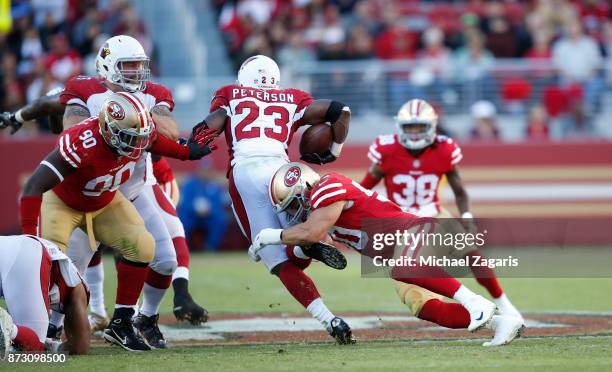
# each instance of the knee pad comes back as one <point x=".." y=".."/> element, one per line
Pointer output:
<point x="414" y="296"/>
<point x="164" y="267"/>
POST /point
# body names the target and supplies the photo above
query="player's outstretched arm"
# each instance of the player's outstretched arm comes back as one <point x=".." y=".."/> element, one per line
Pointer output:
<point x="339" y="116"/>
<point x="78" y="333"/>
<point x="164" y="122"/>
<point x="43" y="106"/>
<point x="75" y="114"/>
<point x="372" y="176"/>
<point x="195" y="149"/>
<point x="461" y="196"/>
<point x="49" y="173"/>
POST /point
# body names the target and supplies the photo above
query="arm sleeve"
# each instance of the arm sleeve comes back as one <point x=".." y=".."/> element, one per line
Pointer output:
<point x="166" y="147"/>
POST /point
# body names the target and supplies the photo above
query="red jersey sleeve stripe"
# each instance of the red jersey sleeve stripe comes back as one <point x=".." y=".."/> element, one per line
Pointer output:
<point x="64" y="155"/>
<point x="327" y="196"/>
<point x="70" y="150"/>
<point x="323" y="188"/>
<point x="456" y="159"/>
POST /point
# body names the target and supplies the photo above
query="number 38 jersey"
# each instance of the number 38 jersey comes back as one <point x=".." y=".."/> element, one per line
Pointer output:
<point x="98" y="170"/>
<point x="413" y="182"/>
<point x="260" y="122"/>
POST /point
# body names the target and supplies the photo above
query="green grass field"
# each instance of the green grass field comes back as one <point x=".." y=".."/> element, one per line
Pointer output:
<point x="230" y="283"/>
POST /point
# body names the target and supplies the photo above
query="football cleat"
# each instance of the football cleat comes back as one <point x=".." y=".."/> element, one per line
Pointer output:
<point x="97" y="322"/>
<point x="481" y="311"/>
<point x="506" y="307"/>
<point x="327" y="254"/>
<point x="120" y="331"/>
<point x="6" y="327"/>
<point x="506" y="328"/>
<point x="186" y="309"/>
<point x="54" y="332"/>
<point x="149" y="330"/>
<point x="341" y="331"/>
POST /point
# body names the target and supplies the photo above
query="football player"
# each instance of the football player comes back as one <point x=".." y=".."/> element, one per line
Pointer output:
<point x="35" y="276"/>
<point x="259" y="119"/>
<point x="337" y="205"/>
<point x="412" y="163"/>
<point x="80" y="179"/>
<point x="123" y="55"/>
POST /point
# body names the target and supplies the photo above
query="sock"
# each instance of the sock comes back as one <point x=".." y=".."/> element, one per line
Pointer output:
<point x="153" y="292"/>
<point x="446" y="314"/>
<point x="130" y="280"/>
<point x="432" y="278"/>
<point x="320" y="312"/>
<point x="27" y="340"/>
<point x="485" y="276"/>
<point x="463" y="294"/>
<point x="94" y="276"/>
<point x="57" y="319"/>
<point x="297" y="257"/>
<point x="123" y="312"/>
<point x="298" y="284"/>
<point x="182" y="251"/>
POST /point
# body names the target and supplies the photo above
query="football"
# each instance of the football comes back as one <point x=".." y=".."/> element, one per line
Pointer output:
<point x="316" y="139"/>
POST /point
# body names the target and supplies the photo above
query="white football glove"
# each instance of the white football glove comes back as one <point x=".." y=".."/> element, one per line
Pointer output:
<point x="265" y="237"/>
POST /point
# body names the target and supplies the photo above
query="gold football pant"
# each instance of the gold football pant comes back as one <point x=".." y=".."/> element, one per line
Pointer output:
<point x="117" y="225"/>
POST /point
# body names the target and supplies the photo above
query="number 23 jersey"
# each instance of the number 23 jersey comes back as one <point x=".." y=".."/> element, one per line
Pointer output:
<point x="413" y="182"/>
<point x="98" y="170"/>
<point x="260" y="122"/>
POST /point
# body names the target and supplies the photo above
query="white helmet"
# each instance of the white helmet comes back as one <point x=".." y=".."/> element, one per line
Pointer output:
<point x="292" y="182"/>
<point x="416" y="112"/>
<point x="259" y="72"/>
<point x="125" y="124"/>
<point x="114" y="54"/>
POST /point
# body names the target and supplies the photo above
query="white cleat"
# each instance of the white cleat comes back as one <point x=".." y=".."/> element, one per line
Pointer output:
<point x="505" y="307"/>
<point x="6" y="328"/>
<point x="97" y="322"/>
<point x="506" y="328"/>
<point x="481" y="311"/>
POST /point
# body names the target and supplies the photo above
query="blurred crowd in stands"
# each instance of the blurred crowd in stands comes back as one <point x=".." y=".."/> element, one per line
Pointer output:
<point x="451" y="46"/>
<point x="46" y="42"/>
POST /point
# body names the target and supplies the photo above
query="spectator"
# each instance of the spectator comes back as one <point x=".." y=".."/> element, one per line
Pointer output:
<point x="473" y="65"/>
<point x="537" y="123"/>
<point x="31" y="51"/>
<point x="295" y="52"/>
<point x="62" y="61"/>
<point x="577" y="58"/>
<point x="396" y="42"/>
<point x="360" y="44"/>
<point x="485" y="129"/>
<point x="202" y="206"/>
<point x="429" y="77"/>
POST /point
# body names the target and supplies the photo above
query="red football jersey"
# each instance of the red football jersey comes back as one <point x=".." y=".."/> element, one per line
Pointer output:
<point x="260" y="122"/>
<point x="363" y="204"/>
<point x="413" y="182"/>
<point x="99" y="171"/>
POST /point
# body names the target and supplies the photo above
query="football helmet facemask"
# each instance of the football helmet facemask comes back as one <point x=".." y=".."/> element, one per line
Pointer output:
<point x="416" y="124"/>
<point x="121" y="60"/>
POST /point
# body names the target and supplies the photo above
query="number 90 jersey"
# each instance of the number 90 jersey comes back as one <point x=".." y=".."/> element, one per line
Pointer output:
<point x="260" y="122"/>
<point x="413" y="182"/>
<point x="98" y="170"/>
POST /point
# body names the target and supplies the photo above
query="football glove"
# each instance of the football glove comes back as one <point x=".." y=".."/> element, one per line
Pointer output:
<point x="7" y="119"/>
<point x="313" y="158"/>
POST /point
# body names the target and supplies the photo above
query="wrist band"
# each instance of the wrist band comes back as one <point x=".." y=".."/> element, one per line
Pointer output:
<point x="467" y="215"/>
<point x="18" y="116"/>
<point x="336" y="148"/>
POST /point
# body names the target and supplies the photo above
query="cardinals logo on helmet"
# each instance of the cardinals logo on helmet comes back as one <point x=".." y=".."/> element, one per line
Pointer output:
<point x="292" y="176"/>
<point x="105" y="51"/>
<point x="115" y="110"/>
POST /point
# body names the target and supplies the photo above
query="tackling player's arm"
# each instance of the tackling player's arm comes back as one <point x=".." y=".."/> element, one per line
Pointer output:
<point x="75" y="114"/>
<point x="76" y="325"/>
<point x="196" y="148"/>
<point x="49" y="173"/>
<point x="164" y="122"/>
<point x="339" y="116"/>
<point x="43" y="106"/>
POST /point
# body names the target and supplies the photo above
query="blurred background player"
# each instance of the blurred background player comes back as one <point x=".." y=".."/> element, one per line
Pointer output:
<point x="259" y="118"/>
<point x="413" y="163"/>
<point x="36" y="276"/>
<point x="336" y="205"/>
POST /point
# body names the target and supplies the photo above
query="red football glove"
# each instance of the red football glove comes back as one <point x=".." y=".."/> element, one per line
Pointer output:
<point x="30" y="211"/>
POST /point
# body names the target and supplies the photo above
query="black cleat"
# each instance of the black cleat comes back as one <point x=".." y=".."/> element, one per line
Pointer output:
<point x="54" y="332"/>
<point x="186" y="309"/>
<point x="326" y="253"/>
<point x="341" y="331"/>
<point x="149" y="330"/>
<point x="120" y="332"/>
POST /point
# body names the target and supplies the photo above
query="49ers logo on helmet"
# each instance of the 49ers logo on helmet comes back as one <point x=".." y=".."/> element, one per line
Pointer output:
<point x="115" y="110"/>
<point x="292" y="176"/>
